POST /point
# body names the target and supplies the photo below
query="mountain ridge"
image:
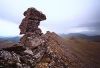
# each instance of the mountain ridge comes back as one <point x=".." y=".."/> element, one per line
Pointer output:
<point x="95" y="38"/>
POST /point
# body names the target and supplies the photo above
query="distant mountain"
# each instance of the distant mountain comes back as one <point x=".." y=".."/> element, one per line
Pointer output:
<point x="83" y="36"/>
<point x="8" y="41"/>
<point x="12" y="39"/>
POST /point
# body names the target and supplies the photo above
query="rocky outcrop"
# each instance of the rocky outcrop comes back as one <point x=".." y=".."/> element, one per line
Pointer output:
<point x="55" y="55"/>
<point x="23" y="58"/>
<point x="31" y="21"/>
<point x="35" y="50"/>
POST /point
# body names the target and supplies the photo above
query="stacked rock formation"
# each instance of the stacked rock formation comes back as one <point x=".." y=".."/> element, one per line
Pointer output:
<point x="35" y="50"/>
<point x="29" y="25"/>
<point x="31" y="21"/>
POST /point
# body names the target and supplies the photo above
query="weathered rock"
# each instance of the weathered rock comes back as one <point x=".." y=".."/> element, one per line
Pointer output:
<point x="32" y="41"/>
<point x="55" y="55"/>
<point x="43" y="55"/>
<point x="35" y="50"/>
<point x="31" y="21"/>
<point x="21" y="58"/>
<point x="29" y="26"/>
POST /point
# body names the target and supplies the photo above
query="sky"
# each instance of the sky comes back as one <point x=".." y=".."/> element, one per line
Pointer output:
<point x="63" y="16"/>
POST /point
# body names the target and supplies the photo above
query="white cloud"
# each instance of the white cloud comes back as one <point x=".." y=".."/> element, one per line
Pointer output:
<point x="78" y="30"/>
<point x="8" y="28"/>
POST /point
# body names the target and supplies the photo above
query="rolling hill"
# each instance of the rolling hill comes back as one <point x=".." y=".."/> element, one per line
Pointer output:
<point x="8" y="41"/>
<point x="95" y="38"/>
<point x="86" y="48"/>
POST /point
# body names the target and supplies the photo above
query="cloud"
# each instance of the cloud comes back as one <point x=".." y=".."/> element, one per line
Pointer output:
<point x="93" y="28"/>
<point x="8" y="28"/>
<point x="63" y="16"/>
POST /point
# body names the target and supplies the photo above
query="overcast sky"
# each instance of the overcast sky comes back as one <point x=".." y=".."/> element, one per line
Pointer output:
<point x="63" y="16"/>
